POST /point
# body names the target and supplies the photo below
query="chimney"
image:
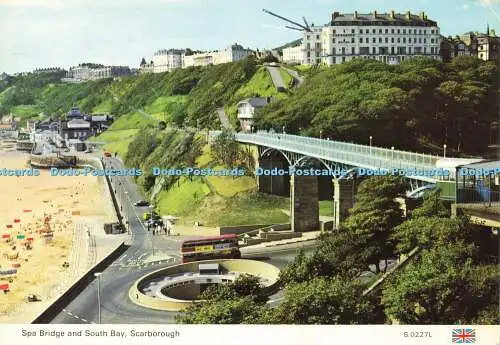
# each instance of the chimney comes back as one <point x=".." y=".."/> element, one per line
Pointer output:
<point x="374" y="14"/>
<point x="393" y="14"/>
<point x="335" y="15"/>
<point x="408" y="15"/>
<point x="355" y="14"/>
<point x="422" y="15"/>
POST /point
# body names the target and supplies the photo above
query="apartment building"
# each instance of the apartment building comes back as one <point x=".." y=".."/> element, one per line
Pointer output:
<point x="293" y="55"/>
<point x="89" y="71"/>
<point x="388" y="37"/>
<point x="232" y="53"/>
<point x="167" y="60"/>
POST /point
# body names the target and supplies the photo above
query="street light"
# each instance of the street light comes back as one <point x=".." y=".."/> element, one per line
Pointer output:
<point x="98" y="276"/>
<point x="283" y="129"/>
<point x="320" y="133"/>
<point x="444" y="152"/>
<point x="371" y="140"/>
<point x="392" y="149"/>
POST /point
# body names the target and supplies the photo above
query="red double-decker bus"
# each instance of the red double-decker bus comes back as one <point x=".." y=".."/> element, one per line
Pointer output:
<point x="211" y="248"/>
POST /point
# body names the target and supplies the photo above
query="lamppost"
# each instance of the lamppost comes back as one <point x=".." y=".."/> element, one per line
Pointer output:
<point x="98" y="276"/>
<point x="283" y="129"/>
<point x="371" y="138"/>
<point x="320" y="134"/>
<point x="444" y="150"/>
<point x="392" y="149"/>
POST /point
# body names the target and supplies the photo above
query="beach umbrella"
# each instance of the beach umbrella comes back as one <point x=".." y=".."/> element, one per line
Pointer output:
<point x="17" y="220"/>
<point x="29" y="239"/>
<point x="20" y="237"/>
<point x="27" y="211"/>
<point x="6" y="236"/>
<point x="9" y="226"/>
<point x="4" y="287"/>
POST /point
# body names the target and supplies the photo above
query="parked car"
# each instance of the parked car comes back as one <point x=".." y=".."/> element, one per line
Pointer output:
<point x="107" y="154"/>
<point x="141" y="203"/>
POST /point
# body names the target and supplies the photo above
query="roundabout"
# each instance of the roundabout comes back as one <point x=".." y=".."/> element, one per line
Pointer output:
<point x="176" y="287"/>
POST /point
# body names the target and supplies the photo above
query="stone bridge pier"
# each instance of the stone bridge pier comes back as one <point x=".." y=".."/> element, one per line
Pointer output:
<point x="304" y="203"/>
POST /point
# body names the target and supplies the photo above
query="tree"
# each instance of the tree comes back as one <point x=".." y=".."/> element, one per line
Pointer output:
<point x="432" y="206"/>
<point x="375" y="214"/>
<point x="340" y="253"/>
<point x="225" y="148"/>
<point x="442" y="287"/>
<point x="327" y="301"/>
<point x="241" y="301"/>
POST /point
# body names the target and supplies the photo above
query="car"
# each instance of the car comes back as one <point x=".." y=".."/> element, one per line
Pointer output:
<point x="107" y="154"/>
<point x="153" y="222"/>
<point x="141" y="203"/>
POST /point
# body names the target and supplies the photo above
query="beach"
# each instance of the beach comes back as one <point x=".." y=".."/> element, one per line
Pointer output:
<point x="46" y="226"/>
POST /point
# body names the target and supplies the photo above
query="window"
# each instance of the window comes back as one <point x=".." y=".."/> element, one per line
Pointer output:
<point x="374" y="40"/>
<point x="317" y="37"/>
<point x="409" y="40"/>
<point x="308" y="37"/>
<point x="333" y="51"/>
<point x="420" y="32"/>
<point x="387" y="40"/>
<point x="374" y="50"/>
<point x="409" y="50"/>
<point x="432" y="50"/>
<point x="386" y="31"/>
<point x="353" y="50"/>
<point x="481" y="55"/>
<point x="352" y="40"/>
<point x="380" y="40"/>
<point x="425" y="50"/>
<point x="425" y="40"/>
<point x="404" y="39"/>
<point x="343" y="59"/>
<point x="374" y="31"/>
<point x="367" y="40"/>
<point x="392" y="31"/>
<point x="334" y="31"/>
<point x="399" y="31"/>
<point x="432" y="40"/>
<point x="343" y="51"/>
<point x="361" y="40"/>
<point x="432" y="32"/>
<point x="361" y="31"/>
<point x="399" y="40"/>
<point x="352" y="31"/>
<point x="317" y="54"/>
<point x="392" y="50"/>
<point x="333" y="40"/>
<point x="364" y="50"/>
<point x="379" y="31"/>
<point x="392" y="39"/>
<point x="404" y="31"/>
<point x="420" y="40"/>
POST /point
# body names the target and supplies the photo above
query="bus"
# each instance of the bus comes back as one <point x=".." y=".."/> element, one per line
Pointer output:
<point x="211" y="248"/>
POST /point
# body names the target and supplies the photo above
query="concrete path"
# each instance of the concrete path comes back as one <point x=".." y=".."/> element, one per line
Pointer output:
<point x="296" y="76"/>
<point x="276" y="76"/>
<point x="223" y="118"/>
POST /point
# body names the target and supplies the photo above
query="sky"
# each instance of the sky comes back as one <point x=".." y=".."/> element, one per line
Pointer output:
<point x="64" y="33"/>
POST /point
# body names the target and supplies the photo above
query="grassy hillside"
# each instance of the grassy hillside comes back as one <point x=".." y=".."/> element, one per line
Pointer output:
<point x="419" y="104"/>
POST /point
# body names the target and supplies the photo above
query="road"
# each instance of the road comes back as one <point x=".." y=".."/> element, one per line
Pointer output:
<point x="297" y="77"/>
<point x="116" y="280"/>
<point x="223" y="118"/>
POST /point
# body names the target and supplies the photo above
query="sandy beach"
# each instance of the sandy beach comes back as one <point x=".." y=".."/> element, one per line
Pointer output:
<point x="55" y="216"/>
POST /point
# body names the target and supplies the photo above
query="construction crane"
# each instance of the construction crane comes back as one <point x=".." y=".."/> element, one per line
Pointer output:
<point x="298" y="27"/>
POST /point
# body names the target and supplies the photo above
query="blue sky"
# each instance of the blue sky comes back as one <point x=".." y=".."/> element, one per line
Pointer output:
<point x="42" y="33"/>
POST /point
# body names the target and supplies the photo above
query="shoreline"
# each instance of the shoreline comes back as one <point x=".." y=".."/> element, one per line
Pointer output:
<point x="76" y="208"/>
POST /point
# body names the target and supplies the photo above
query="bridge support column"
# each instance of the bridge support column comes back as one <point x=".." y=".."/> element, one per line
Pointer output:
<point x="272" y="184"/>
<point x="344" y="192"/>
<point x="304" y="208"/>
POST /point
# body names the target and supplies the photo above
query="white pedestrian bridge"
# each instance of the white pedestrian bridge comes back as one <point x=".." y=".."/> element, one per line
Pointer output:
<point x="336" y="153"/>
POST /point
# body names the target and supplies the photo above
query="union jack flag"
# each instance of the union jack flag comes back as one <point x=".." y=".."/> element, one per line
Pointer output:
<point x="463" y="336"/>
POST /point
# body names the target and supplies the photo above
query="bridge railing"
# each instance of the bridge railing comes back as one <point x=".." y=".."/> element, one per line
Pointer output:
<point x="342" y="152"/>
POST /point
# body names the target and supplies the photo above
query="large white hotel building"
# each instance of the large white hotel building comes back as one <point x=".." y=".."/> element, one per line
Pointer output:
<point x="388" y="37"/>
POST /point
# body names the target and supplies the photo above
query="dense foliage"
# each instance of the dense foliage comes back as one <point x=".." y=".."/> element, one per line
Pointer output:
<point x="421" y="103"/>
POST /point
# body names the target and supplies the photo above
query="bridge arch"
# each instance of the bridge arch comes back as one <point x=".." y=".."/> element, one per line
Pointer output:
<point x="271" y="149"/>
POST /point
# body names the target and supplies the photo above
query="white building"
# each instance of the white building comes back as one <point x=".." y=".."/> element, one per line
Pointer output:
<point x="232" y="53"/>
<point x="168" y="60"/>
<point x="293" y="55"/>
<point x="388" y="37"/>
<point x="246" y="111"/>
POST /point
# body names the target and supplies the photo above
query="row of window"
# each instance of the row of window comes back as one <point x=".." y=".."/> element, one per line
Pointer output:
<point x="381" y="40"/>
<point x="386" y="31"/>
<point x="383" y="51"/>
